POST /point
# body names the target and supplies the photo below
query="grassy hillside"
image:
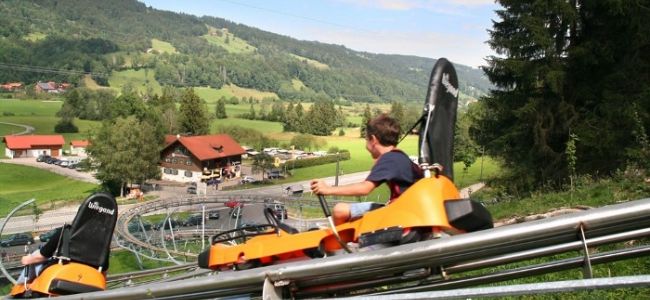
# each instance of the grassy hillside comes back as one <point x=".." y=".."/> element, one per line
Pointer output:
<point x="162" y="46"/>
<point x="141" y="80"/>
<point x="228" y="41"/>
<point x="312" y="62"/>
<point x="21" y="183"/>
<point x="212" y="95"/>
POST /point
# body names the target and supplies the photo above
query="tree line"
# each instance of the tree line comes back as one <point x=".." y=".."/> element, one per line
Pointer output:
<point x="573" y="89"/>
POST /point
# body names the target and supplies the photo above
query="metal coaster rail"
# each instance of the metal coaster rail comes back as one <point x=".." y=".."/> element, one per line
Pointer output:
<point x="428" y="265"/>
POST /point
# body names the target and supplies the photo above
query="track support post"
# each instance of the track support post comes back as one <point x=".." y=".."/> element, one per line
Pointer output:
<point x="587" y="271"/>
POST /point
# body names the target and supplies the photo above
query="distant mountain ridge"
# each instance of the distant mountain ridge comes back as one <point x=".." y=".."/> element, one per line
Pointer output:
<point x="98" y="37"/>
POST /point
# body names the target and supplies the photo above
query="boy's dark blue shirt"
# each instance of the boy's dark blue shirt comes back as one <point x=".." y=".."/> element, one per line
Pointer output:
<point x="397" y="170"/>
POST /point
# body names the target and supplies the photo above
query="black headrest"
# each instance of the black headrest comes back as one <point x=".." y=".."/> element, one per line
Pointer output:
<point x="92" y="229"/>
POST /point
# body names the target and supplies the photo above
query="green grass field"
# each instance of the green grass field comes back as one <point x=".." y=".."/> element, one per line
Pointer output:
<point x="261" y="126"/>
<point x="137" y="79"/>
<point x="20" y="183"/>
<point x="35" y="36"/>
<point x="228" y="41"/>
<point x="314" y="63"/>
<point x="10" y="129"/>
<point x="40" y="115"/>
<point x="162" y="46"/>
<point x="212" y="95"/>
<point x="297" y="84"/>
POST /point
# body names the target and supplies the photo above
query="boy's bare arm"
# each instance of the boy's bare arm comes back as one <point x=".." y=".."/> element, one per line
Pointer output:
<point x="355" y="189"/>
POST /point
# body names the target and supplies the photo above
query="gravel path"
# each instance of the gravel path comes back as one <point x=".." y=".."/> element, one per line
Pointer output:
<point x="28" y="129"/>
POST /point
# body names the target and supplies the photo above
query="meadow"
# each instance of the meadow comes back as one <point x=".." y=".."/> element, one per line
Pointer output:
<point x="162" y="46"/>
<point x="42" y="116"/>
<point x="141" y="80"/>
<point x="20" y="183"/>
<point x="228" y="41"/>
<point x="212" y="95"/>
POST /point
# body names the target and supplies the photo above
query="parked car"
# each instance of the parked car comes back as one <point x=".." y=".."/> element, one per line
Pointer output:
<point x="279" y="210"/>
<point x="235" y="213"/>
<point x="191" y="189"/>
<point x="17" y="239"/>
<point x="175" y="224"/>
<point x="44" y="237"/>
<point x="134" y="226"/>
<point x="193" y="220"/>
<point x="213" y="214"/>
<point x="247" y="179"/>
<point x="43" y="158"/>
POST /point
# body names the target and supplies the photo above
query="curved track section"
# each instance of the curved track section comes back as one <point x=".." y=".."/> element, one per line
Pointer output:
<point x="127" y="240"/>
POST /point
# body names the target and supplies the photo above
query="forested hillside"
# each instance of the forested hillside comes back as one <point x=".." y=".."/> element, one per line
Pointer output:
<point x="61" y="40"/>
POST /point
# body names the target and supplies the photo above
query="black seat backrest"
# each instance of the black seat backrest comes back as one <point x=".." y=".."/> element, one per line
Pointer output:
<point x="91" y="231"/>
<point x="468" y="215"/>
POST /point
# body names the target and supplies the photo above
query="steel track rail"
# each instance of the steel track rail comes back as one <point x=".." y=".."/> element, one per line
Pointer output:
<point x="449" y="251"/>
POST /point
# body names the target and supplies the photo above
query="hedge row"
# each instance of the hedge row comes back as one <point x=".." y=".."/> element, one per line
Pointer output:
<point x="316" y="161"/>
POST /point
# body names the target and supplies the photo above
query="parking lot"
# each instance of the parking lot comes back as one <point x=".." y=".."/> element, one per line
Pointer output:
<point x="72" y="173"/>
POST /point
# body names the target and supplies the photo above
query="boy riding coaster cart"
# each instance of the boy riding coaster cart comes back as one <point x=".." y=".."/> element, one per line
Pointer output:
<point x="429" y="207"/>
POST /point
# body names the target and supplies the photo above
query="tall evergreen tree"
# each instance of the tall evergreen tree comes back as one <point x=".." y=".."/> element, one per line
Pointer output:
<point x="220" y="109"/>
<point x="397" y="112"/>
<point x="193" y="118"/>
<point x="365" y="118"/>
<point x="565" y="67"/>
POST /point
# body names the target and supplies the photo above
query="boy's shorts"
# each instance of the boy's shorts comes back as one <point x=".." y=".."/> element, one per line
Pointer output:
<point x="358" y="209"/>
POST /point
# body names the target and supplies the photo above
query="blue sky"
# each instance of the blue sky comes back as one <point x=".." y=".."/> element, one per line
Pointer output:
<point x="455" y="29"/>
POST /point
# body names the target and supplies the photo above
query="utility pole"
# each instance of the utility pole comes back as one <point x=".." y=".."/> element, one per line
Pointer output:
<point x="336" y="178"/>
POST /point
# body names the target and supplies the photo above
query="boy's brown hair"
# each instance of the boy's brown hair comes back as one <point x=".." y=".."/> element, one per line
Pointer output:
<point x="385" y="128"/>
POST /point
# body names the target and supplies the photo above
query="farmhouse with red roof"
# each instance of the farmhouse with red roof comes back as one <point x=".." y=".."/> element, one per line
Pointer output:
<point x="78" y="147"/>
<point x="200" y="158"/>
<point x="33" y="145"/>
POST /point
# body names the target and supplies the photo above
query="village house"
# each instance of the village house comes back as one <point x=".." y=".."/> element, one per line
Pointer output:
<point x="201" y="158"/>
<point x="11" y="86"/>
<point x="78" y="147"/>
<point x="51" y="87"/>
<point x="33" y="145"/>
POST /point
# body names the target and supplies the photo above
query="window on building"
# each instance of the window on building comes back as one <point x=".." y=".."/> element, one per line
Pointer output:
<point x="168" y="160"/>
<point x="174" y="161"/>
<point x="174" y="172"/>
<point x="188" y="174"/>
<point x="188" y="162"/>
<point x="168" y="171"/>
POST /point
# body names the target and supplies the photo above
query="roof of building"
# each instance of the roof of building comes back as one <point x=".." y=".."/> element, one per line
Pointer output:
<point x="32" y="141"/>
<point x="79" y="143"/>
<point x="205" y="147"/>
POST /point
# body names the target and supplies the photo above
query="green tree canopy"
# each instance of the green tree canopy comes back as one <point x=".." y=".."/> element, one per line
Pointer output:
<point x="193" y="114"/>
<point x="126" y="151"/>
<point x="565" y="67"/>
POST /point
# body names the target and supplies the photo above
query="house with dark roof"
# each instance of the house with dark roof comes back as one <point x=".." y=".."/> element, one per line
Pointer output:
<point x="51" y="87"/>
<point x="78" y="147"/>
<point x="200" y="158"/>
<point x="33" y="145"/>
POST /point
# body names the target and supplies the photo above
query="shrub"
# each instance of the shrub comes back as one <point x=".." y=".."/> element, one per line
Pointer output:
<point x="65" y="126"/>
<point x="316" y="161"/>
